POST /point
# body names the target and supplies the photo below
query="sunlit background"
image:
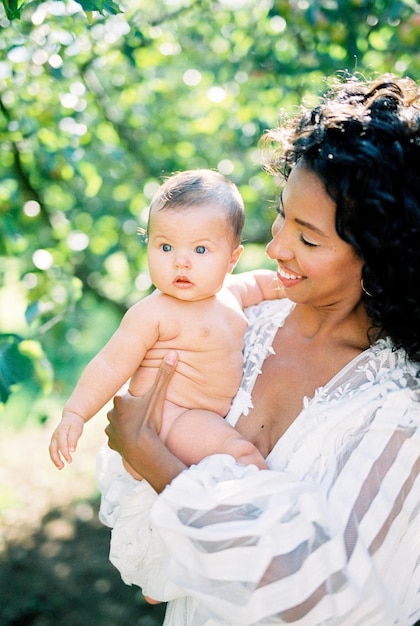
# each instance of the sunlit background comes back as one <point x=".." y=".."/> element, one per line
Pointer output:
<point x="94" y="112"/>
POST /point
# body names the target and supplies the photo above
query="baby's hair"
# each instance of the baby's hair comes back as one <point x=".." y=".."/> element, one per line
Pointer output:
<point x="201" y="187"/>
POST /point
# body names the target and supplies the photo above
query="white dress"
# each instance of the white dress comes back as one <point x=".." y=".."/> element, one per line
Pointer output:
<point x="328" y="535"/>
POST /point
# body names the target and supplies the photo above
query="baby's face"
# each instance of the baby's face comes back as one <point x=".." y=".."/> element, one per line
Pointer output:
<point x="190" y="251"/>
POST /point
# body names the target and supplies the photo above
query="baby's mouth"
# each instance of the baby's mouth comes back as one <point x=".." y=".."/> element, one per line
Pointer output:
<point x="182" y="280"/>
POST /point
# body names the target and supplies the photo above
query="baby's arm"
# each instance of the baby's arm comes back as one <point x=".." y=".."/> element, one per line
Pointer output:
<point x="104" y="376"/>
<point x="253" y="287"/>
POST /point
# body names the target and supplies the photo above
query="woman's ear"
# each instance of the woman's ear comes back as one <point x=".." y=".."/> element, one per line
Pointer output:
<point x="235" y="257"/>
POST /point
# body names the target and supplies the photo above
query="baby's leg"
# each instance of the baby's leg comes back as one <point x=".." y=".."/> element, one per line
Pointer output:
<point x="192" y="434"/>
<point x="170" y="414"/>
<point x="196" y="433"/>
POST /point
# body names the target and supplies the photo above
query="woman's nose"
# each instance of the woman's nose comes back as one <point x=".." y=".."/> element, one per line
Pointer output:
<point x="279" y="247"/>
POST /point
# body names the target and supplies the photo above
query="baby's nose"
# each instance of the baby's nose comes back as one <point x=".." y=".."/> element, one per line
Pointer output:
<point x="182" y="261"/>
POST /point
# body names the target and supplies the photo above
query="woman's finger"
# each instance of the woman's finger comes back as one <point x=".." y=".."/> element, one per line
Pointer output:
<point x="157" y="393"/>
<point x="129" y="413"/>
<point x="165" y="372"/>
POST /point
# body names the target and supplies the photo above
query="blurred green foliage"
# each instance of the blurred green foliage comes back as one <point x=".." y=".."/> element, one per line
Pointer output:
<point x="94" y="112"/>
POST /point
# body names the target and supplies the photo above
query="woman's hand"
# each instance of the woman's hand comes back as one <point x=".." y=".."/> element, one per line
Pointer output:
<point x="130" y="413"/>
<point x="134" y="424"/>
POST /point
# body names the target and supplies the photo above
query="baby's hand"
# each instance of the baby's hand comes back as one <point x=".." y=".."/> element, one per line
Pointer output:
<point x="65" y="437"/>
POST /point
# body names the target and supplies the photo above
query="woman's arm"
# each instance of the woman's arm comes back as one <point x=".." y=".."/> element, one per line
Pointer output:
<point x="269" y="545"/>
<point x="252" y="545"/>
<point x="134" y="423"/>
<point x="136" y="550"/>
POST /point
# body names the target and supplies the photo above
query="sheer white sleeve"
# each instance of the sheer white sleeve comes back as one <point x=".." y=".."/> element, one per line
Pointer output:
<point x="331" y="539"/>
<point x="328" y="535"/>
<point x="136" y="550"/>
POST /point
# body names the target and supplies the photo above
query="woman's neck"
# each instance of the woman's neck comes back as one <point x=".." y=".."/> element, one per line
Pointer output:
<point x="347" y="325"/>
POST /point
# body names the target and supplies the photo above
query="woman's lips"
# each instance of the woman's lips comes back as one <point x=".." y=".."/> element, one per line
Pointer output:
<point x="287" y="278"/>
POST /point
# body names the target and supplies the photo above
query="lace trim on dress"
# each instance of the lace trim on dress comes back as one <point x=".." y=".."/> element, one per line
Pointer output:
<point x="264" y="321"/>
<point x="380" y="368"/>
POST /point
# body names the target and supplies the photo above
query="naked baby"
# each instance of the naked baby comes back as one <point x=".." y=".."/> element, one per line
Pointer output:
<point x="193" y="238"/>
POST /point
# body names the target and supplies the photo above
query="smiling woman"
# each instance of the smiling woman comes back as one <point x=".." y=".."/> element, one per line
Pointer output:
<point x="329" y="395"/>
<point x="309" y="252"/>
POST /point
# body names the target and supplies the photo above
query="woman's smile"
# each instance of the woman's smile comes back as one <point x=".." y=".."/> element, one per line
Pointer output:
<point x="286" y="275"/>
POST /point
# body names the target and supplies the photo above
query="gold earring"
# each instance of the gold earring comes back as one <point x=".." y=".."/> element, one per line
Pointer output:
<point x="363" y="288"/>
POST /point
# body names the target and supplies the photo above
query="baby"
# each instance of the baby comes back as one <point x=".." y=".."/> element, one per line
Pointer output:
<point x="194" y="232"/>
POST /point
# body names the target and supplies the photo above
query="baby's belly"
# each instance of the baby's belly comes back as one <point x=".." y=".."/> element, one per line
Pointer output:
<point x="210" y="392"/>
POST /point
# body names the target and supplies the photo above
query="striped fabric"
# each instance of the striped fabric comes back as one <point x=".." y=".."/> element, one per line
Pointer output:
<point x="328" y="535"/>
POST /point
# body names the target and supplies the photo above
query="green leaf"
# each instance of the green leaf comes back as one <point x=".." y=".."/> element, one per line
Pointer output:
<point x="14" y="366"/>
<point x="100" y="6"/>
<point x="112" y="7"/>
<point x="13" y="11"/>
<point x="22" y="360"/>
<point x="42" y="371"/>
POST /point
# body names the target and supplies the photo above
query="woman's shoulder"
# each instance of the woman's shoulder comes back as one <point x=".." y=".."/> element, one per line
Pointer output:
<point x="385" y="358"/>
<point x="269" y="312"/>
<point x="263" y="321"/>
<point x="381" y="367"/>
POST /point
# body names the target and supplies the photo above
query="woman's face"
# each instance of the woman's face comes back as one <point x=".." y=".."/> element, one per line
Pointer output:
<point x="315" y="266"/>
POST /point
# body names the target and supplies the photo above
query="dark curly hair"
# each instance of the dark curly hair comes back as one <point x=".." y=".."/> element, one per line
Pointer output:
<point x="363" y="142"/>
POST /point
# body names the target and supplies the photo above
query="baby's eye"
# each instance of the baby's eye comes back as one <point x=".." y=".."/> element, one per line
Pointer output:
<point x="280" y="211"/>
<point x="166" y="247"/>
<point x="201" y="249"/>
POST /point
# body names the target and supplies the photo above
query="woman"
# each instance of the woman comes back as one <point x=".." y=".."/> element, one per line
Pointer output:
<point x="329" y="534"/>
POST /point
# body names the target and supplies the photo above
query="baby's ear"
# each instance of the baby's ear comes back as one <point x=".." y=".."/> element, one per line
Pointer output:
<point x="235" y="257"/>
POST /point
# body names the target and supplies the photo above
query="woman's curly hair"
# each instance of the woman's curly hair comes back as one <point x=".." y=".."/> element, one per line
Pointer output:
<point x="363" y="141"/>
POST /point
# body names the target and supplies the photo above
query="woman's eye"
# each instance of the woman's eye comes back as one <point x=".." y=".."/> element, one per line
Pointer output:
<point x="166" y="247"/>
<point x="200" y="249"/>
<point x="308" y="243"/>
